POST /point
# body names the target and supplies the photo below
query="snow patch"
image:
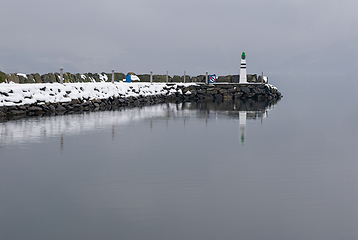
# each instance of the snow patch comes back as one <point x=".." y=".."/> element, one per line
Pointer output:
<point x="135" y="78"/>
<point x="22" y="75"/>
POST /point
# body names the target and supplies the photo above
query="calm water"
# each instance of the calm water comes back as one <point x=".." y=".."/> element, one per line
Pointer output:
<point x="287" y="171"/>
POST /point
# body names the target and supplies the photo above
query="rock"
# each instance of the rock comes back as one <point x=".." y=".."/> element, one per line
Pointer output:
<point x="75" y="101"/>
<point x="44" y="107"/>
<point x="37" y="77"/>
<point x="17" y="112"/>
<point x="60" y="108"/>
<point x="13" y="78"/>
<point x="34" y="108"/>
<point x="212" y="91"/>
<point x="51" y="108"/>
<point x="245" y="89"/>
<point x="49" y="78"/>
<point x="77" y="108"/>
<point x="22" y="107"/>
<point x="3" y="77"/>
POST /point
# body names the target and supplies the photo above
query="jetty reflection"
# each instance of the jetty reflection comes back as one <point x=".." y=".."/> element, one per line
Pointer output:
<point x="243" y="111"/>
<point x="38" y="128"/>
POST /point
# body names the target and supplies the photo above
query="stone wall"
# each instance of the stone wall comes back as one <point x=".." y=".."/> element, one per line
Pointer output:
<point x="98" y="77"/>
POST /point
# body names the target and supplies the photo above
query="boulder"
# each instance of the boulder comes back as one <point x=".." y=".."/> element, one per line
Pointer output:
<point x="245" y="89"/>
<point x="49" y="78"/>
<point x="60" y="108"/>
<point x="17" y="112"/>
<point x="13" y="78"/>
<point x="3" y="77"/>
<point x="34" y="108"/>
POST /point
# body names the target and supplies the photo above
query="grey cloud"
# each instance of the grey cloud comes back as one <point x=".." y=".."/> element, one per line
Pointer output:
<point x="195" y="36"/>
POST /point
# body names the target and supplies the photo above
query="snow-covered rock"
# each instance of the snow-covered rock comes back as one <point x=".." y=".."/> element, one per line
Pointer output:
<point x="20" y="94"/>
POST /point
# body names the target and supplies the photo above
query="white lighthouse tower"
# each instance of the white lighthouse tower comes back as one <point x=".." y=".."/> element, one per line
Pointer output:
<point x="243" y="77"/>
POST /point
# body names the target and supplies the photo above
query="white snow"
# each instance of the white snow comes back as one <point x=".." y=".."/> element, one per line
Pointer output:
<point x="135" y="78"/>
<point x="265" y="79"/>
<point x="20" y="94"/>
<point x="22" y="75"/>
<point x="103" y="77"/>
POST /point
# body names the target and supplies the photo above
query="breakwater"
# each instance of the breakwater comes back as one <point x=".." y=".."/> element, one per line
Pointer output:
<point x="19" y="100"/>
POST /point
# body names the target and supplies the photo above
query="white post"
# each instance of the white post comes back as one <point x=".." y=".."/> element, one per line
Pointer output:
<point x="151" y="76"/>
<point x="243" y="77"/>
<point x="207" y="78"/>
<point x="61" y="75"/>
<point x="112" y="75"/>
<point x="167" y="76"/>
<point x="184" y="76"/>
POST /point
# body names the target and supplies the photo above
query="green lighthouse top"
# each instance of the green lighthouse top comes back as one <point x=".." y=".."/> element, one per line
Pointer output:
<point x="243" y="56"/>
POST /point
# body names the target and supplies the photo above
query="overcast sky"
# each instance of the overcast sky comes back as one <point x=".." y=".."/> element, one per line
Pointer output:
<point x="177" y="35"/>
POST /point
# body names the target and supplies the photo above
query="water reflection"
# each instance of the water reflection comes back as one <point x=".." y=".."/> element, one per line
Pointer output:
<point x="39" y="128"/>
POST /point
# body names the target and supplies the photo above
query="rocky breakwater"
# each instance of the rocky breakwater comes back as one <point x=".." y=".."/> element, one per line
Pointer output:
<point x="19" y="100"/>
<point x="225" y="92"/>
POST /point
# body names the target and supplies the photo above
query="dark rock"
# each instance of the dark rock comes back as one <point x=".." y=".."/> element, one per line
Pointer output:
<point x="85" y="104"/>
<point x="17" y="112"/>
<point x="77" y="107"/>
<point x="60" y="108"/>
<point x="51" y="108"/>
<point x="68" y="107"/>
<point x="245" y="89"/>
<point x="212" y="91"/>
<point x="3" y="77"/>
<point x="34" y="108"/>
<point x="45" y="107"/>
<point x="48" y="78"/>
<point x="22" y="107"/>
<point x="75" y="101"/>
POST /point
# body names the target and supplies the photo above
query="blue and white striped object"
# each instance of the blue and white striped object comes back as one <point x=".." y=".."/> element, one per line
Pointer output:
<point x="212" y="78"/>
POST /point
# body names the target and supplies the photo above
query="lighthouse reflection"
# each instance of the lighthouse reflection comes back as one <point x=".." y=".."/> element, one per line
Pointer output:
<point x="243" y="111"/>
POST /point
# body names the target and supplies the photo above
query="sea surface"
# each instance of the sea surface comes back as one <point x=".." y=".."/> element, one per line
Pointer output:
<point x="189" y="171"/>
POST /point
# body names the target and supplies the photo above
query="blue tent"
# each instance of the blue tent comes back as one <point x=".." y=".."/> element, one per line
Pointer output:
<point x="128" y="78"/>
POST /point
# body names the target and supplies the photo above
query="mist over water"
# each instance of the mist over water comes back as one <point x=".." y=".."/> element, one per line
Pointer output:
<point x="188" y="171"/>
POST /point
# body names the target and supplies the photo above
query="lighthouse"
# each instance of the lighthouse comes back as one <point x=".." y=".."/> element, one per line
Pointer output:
<point x="243" y="77"/>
